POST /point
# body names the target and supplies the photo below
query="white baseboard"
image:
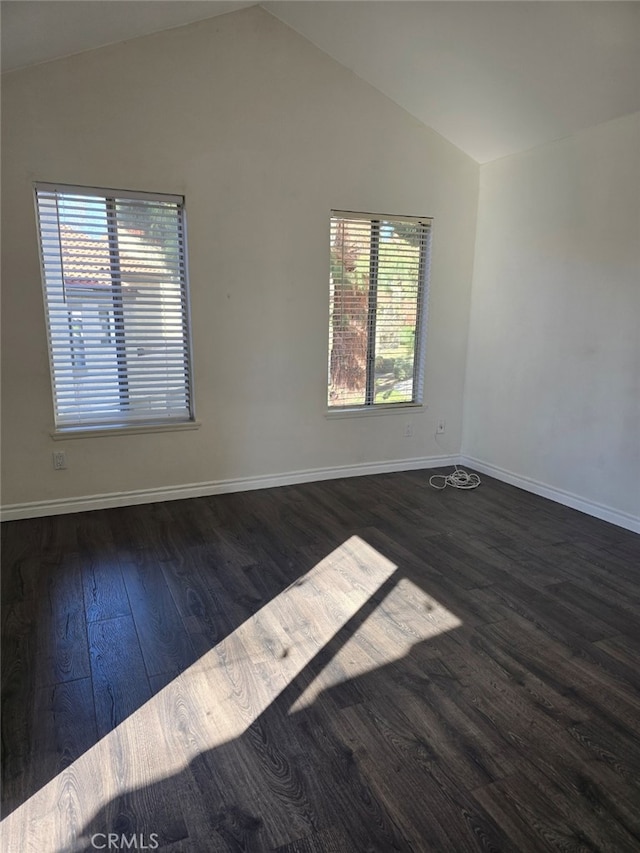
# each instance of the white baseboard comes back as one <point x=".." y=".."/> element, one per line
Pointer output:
<point x="62" y="506"/>
<point x="85" y="503"/>
<point x="606" y="513"/>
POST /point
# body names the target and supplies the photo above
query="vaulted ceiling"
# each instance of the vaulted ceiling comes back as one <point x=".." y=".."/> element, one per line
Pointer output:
<point x="494" y="78"/>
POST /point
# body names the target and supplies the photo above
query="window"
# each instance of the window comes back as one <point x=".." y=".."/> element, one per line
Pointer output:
<point x="115" y="288"/>
<point x="378" y="296"/>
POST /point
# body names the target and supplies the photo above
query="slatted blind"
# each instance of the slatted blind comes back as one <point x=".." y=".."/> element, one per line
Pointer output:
<point x="115" y="289"/>
<point x="378" y="298"/>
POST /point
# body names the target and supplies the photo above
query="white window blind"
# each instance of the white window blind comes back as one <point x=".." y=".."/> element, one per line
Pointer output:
<point x="115" y="289"/>
<point x="378" y="299"/>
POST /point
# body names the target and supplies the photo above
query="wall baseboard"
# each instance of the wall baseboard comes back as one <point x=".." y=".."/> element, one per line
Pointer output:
<point x="606" y="513"/>
<point x="62" y="506"/>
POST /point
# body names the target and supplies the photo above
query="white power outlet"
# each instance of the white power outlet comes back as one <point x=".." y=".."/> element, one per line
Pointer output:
<point x="408" y="430"/>
<point x="440" y="428"/>
<point x="59" y="460"/>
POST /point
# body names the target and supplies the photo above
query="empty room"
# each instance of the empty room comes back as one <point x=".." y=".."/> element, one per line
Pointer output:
<point x="320" y="426"/>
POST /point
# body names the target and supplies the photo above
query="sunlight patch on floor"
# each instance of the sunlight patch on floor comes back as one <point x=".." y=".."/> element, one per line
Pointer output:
<point x="225" y="691"/>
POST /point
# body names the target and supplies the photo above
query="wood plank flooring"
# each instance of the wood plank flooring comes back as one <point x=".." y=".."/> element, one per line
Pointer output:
<point x="356" y="666"/>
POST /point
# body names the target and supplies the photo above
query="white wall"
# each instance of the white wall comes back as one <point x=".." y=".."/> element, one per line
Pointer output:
<point x="553" y="377"/>
<point x="263" y="134"/>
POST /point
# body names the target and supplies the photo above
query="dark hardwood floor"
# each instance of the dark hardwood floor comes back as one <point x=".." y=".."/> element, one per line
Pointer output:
<point x="340" y="667"/>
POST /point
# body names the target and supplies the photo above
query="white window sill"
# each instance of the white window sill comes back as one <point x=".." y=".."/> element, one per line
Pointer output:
<point x="66" y="433"/>
<point x="375" y="411"/>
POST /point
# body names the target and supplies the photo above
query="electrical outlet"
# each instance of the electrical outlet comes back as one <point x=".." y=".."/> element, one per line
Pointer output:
<point x="408" y="430"/>
<point x="59" y="460"/>
<point x="440" y="427"/>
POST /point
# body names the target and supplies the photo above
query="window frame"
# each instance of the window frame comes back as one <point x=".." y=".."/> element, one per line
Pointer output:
<point x="93" y="426"/>
<point x="369" y="406"/>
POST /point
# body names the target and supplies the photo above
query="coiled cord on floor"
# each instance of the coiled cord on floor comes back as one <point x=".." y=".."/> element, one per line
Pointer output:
<point x="459" y="479"/>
